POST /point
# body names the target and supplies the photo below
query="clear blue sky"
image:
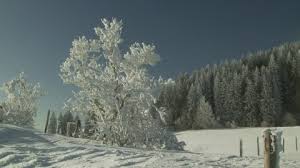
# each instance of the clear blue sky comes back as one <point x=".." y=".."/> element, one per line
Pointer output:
<point x="35" y="35"/>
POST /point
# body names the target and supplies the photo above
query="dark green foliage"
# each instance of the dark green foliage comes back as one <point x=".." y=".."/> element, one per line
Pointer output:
<point x="257" y="90"/>
<point x="90" y="124"/>
<point x="59" y="123"/>
<point x="68" y="117"/>
<point x="52" y="124"/>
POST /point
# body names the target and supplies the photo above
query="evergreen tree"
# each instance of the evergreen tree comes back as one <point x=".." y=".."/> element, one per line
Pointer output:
<point x="59" y="123"/>
<point x="182" y="89"/>
<point x="52" y="124"/>
<point x="276" y="89"/>
<point x="68" y="117"/>
<point x="267" y="106"/>
<point x="90" y="124"/>
<point x="251" y="106"/>
<point x="219" y="98"/>
<point x="204" y="117"/>
<point x="167" y="100"/>
<point x="235" y="99"/>
<point x="258" y="87"/>
<point x="192" y="98"/>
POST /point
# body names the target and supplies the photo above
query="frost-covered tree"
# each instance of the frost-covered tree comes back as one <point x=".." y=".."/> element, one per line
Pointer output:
<point x="191" y="108"/>
<point x="267" y="106"/>
<point x="219" y="97"/>
<point x="251" y="106"/>
<point x="52" y="124"/>
<point x="204" y="117"/>
<point x="276" y="88"/>
<point x="115" y="86"/>
<point x="181" y="92"/>
<point x="237" y="98"/>
<point x="21" y="101"/>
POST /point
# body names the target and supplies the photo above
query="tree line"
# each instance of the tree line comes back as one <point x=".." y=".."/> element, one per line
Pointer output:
<point x="257" y="90"/>
<point x="58" y="125"/>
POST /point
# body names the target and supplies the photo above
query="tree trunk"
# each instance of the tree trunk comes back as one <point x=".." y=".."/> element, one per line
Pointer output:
<point x="47" y="120"/>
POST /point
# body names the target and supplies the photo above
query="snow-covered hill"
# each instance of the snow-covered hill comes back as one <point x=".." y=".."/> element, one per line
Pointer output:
<point x="29" y="148"/>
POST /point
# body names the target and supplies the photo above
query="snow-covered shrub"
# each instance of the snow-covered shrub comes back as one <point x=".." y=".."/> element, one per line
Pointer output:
<point x="21" y="100"/>
<point x="116" y="87"/>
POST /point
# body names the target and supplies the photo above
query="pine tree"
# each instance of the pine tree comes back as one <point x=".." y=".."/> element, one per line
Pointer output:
<point x="191" y="108"/>
<point x="204" y="117"/>
<point x="68" y="117"/>
<point x="250" y="104"/>
<point x="182" y="89"/>
<point x="276" y="88"/>
<point x="52" y="124"/>
<point x="267" y="106"/>
<point x="167" y="100"/>
<point x="234" y="99"/>
<point x="258" y="87"/>
<point x="228" y="89"/>
<point x="59" y="123"/>
<point x="219" y="98"/>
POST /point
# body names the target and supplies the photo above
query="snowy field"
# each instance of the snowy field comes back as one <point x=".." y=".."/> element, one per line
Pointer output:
<point x="227" y="141"/>
<point x="27" y="148"/>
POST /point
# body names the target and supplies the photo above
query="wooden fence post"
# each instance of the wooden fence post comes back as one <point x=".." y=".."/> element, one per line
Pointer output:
<point x="47" y="120"/>
<point x="68" y="129"/>
<point x="283" y="145"/>
<point x="267" y="148"/>
<point x="257" y="142"/>
<point x="241" y="148"/>
<point x="296" y="143"/>
<point x="272" y="147"/>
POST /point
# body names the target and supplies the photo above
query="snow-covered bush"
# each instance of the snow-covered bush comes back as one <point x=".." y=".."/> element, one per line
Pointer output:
<point x="116" y="87"/>
<point x="21" y="100"/>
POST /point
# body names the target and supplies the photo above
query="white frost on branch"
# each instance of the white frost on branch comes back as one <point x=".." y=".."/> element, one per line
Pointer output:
<point x="21" y="101"/>
<point x="115" y="87"/>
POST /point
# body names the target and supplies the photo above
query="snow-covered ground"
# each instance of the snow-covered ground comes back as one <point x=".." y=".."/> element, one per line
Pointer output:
<point x="227" y="141"/>
<point x="29" y="148"/>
